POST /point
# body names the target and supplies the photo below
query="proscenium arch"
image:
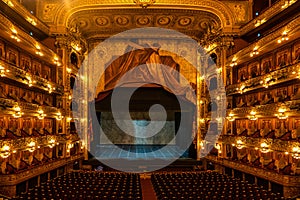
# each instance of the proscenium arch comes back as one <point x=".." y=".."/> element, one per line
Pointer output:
<point x="67" y="8"/>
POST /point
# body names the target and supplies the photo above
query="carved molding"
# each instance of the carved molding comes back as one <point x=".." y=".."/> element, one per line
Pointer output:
<point x="267" y="44"/>
<point x="27" y="42"/>
<point x="13" y="179"/>
<point x="61" y="11"/>
<point x="284" y="180"/>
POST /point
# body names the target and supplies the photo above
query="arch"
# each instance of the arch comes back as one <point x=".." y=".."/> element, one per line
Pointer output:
<point x="68" y="8"/>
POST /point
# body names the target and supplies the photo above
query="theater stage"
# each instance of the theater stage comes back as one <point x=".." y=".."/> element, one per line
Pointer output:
<point x="139" y="152"/>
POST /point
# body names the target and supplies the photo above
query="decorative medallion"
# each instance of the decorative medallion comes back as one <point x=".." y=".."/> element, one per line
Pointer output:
<point x="102" y="21"/>
<point x="122" y="20"/>
<point x="184" y="21"/>
<point x="164" y="20"/>
<point x="143" y="20"/>
<point x="82" y="23"/>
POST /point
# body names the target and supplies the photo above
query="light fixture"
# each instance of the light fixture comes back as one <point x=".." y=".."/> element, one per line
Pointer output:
<point x="296" y="152"/>
<point x="59" y="116"/>
<point x="56" y="62"/>
<point x="144" y="3"/>
<point x="233" y="62"/>
<point x="288" y="3"/>
<point x="69" y="70"/>
<point x="51" y="143"/>
<point x="252" y="115"/>
<point x="266" y="81"/>
<point x="264" y="147"/>
<point x="14" y="35"/>
<point x="202" y="120"/>
<point x="41" y="114"/>
<point x="219" y="70"/>
<point x="218" y="147"/>
<point x="231" y="117"/>
<point x="239" y="144"/>
<point x="283" y="38"/>
<point x="281" y="113"/>
<point x="254" y="51"/>
<point x="31" y="146"/>
<point x="3" y="71"/>
<point x="241" y="89"/>
<point x="50" y="88"/>
<point x="201" y="144"/>
<point x="31" y="21"/>
<point x="38" y="50"/>
<point x="29" y="81"/>
<point x="17" y="112"/>
<point x="9" y="3"/>
<point x="259" y="22"/>
<point x="5" y="151"/>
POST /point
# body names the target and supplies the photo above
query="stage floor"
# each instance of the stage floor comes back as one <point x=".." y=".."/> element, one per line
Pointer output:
<point x="137" y="152"/>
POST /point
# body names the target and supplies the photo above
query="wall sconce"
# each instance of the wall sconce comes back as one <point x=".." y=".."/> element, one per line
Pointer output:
<point x="296" y="152"/>
<point x="59" y="116"/>
<point x="31" y="21"/>
<point x="14" y="35"/>
<point x="56" y="62"/>
<point x="69" y="70"/>
<point x="254" y="52"/>
<point x="259" y="22"/>
<point x="264" y="148"/>
<point x="31" y="146"/>
<point x="239" y="144"/>
<point x="17" y="112"/>
<point x="50" y="88"/>
<point x="241" y="89"/>
<point x="69" y="146"/>
<point x="281" y="113"/>
<point x="38" y="50"/>
<point x="252" y="115"/>
<point x="5" y="151"/>
<point x="144" y="3"/>
<point x="3" y="71"/>
<point x="283" y="38"/>
<point x="288" y="3"/>
<point x="29" y="81"/>
<point x="266" y="81"/>
<point x="219" y="70"/>
<point x="233" y="62"/>
<point x="231" y="117"/>
<point x="9" y="3"/>
<point x="51" y="143"/>
<point x="218" y="147"/>
<point x="201" y="144"/>
<point x="41" y="114"/>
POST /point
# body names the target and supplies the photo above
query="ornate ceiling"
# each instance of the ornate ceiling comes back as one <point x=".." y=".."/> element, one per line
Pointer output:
<point x="102" y="18"/>
<point x="103" y="23"/>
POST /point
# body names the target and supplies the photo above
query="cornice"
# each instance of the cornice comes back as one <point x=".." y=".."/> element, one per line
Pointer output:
<point x="64" y="10"/>
<point x="265" y="16"/>
<point x="23" y="12"/>
<point x="27" y="42"/>
<point x="267" y="43"/>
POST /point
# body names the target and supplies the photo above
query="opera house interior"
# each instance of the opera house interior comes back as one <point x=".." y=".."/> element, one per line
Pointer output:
<point x="150" y="99"/>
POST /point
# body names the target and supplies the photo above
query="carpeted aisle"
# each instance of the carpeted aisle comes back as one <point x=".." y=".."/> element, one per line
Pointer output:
<point x="148" y="190"/>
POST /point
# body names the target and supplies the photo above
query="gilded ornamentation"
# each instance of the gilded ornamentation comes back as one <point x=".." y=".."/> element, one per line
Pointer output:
<point x="143" y="20"/>
<point x="121" y="20"/>
<point x="102" y="21"/>
<point x="163" y="20"/>
<point x="185" y="21"/>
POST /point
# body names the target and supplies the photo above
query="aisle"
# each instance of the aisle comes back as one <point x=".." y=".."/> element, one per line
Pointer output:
<point x="148" y="190"/>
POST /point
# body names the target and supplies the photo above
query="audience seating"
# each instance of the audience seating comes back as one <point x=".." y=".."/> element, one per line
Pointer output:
<point x="88" y="185"/>
<point x="206" y="185"/>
